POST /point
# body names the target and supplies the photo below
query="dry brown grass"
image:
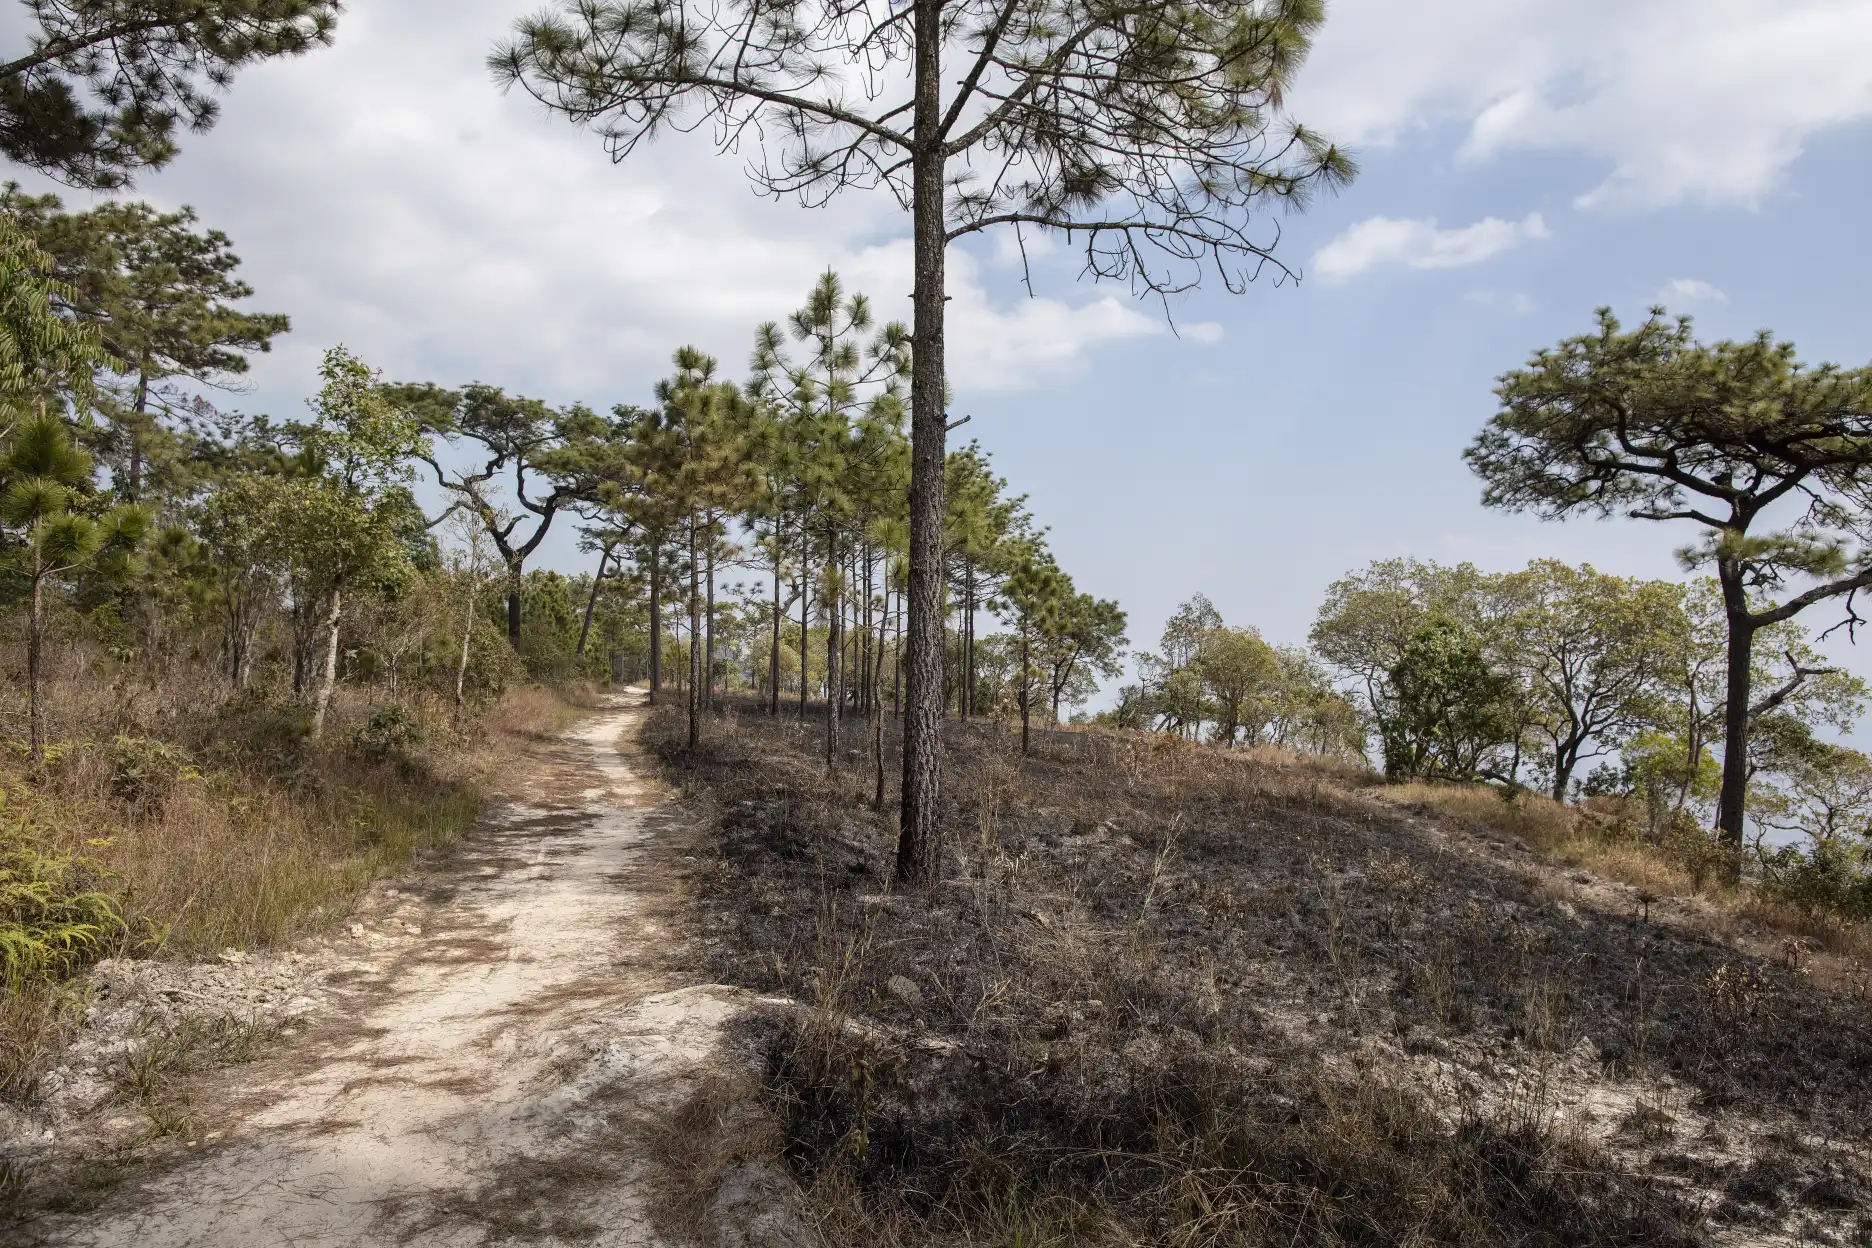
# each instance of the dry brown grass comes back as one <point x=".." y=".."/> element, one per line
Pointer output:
<point x="1169" y="995"/>
<point x="1679" y="868"/>
<point x="213" y="823"/>
<point x="247" y="849"/>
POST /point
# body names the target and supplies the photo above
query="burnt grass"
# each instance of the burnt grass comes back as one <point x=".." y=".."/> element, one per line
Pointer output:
<point x="1171" y="995"/>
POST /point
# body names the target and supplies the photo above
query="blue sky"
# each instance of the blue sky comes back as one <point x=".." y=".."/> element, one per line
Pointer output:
<point x="1524" y="161"/>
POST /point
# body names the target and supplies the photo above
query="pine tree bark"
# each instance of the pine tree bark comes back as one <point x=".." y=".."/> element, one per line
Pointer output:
<point x="773" y="659"/>
<point x="805" y="619"/>
<point x="695" y="633"/>
<point x="968" y="636"/>
<point x="835" y="642"/>
<point x="591" y="603"/>
<point x="1731" y="809"/>
<point x="1026" y="691"/>
<point x="35" y="667"/>
<point x="656" y="619"/>
<point x="708" y="654"/>
<point x="134" y="491"/>
<point x="864" y="641"/>
<point x="516" y="584"/>
<point x="919" y="836"/>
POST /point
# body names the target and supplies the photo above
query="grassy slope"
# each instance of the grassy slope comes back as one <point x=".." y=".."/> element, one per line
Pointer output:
<point x="214" y="826"/>
<point x="1174" y="996"/>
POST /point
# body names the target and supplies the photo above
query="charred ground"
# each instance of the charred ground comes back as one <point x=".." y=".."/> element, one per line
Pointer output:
<point x="1170" y="994"/>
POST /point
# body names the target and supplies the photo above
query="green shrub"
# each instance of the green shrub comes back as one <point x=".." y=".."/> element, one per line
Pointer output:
<point x="145" y="773"/>
<point x="55" y="919"/>
<point x="389" y="733"/>
<point x="1819" y="883"/>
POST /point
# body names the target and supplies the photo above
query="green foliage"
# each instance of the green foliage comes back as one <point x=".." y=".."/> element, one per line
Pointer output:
<point x="146" y="772"/>
<point x="54" y="916"/>
<point x="1655" y="425"/>
<point x="44" y="357"/>
<point x="1450" y="710"/>
<point x="1819" y="883"/>
<point x="388" y="733"/>
<point x="162" y="296"/>
<point x="103" y="85"/>
<point x="1239" y="673"/>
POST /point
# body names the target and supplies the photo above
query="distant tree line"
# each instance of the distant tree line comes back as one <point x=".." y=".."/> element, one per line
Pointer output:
<point x="746" y="535"/>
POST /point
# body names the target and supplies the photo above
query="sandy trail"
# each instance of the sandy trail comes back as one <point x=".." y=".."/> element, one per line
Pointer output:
<point x="493" y="1083"/>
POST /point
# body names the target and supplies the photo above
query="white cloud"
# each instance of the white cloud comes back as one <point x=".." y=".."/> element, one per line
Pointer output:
<point x="1421" y="244"/>
<point x="385" y="194"/>
<point x="1684" y="290"/>
<point x="1706" y="100"/>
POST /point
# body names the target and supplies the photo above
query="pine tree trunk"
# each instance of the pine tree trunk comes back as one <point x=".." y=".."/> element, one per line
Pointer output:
<point x="773" y="659"/>
<point x="35" y="668"/>
<point x="516" y="584"/>
<point x="805" y="619"/>
<point x="656" y="618"/>
<point x="919" y="836"/>
<point x="708" y="654"/>
<point x="695" y="632"/>
<point x="968" y="636"/>
<point x="835" y="616"/>
<point x="591" y="603"/>
<point x="1026" y="691"/>
<point x="328" y="677"/>
<point x="864" y="641"/>
<point x="1732" y="815"/>
<point x="135" y="486"/>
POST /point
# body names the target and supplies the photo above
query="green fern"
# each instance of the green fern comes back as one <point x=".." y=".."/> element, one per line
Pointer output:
<point x="53" y="921"/>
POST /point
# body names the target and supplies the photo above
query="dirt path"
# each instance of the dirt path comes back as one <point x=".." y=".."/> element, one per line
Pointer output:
<point x="499" y="1074"/>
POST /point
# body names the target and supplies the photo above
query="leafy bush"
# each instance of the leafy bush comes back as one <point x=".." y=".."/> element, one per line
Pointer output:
<point x="389" y="733"/>
<point x="1819" y="883"/>
<point x="145" y="773"/>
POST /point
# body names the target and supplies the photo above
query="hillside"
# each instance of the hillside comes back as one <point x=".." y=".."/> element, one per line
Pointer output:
<point x="1173" y="994"/>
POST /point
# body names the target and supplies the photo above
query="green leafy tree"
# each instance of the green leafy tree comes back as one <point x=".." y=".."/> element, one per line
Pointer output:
<point x="162" y="297"/>
<point x="102" y="85"/>
<point x="1449" y="709"/>
<point x="1152" y="136"/>
<point x="837" y="414"/>
<point x="691" y="458"/>
<point x="1596" y="653"/>
<point x="1369" y="617"/>
<point x="1085" y="637"/>
<point x="1239" y="672"/>
<point x="1767" y="456"/>
<point x="343" y="520"/>
<point x="1304" y="710"/>
<point x="46" y="476"/>
<point x="1035" y="596"/>
<point x="990" y="534"/>
<point x="242" y="526"/>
